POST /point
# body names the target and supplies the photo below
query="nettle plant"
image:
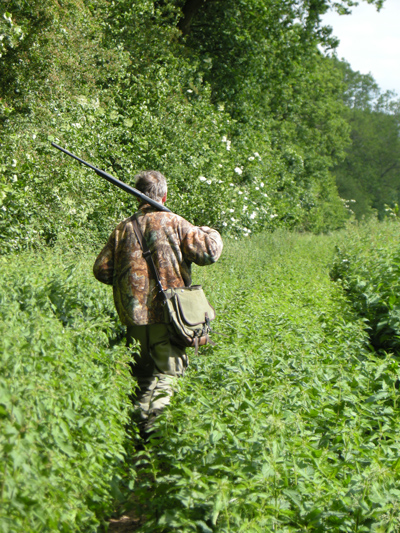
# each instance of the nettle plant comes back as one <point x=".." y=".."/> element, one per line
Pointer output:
<point x="367" y="266"/>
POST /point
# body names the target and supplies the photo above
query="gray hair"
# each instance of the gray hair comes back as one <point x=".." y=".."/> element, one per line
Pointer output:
<point x="152" y="184"/>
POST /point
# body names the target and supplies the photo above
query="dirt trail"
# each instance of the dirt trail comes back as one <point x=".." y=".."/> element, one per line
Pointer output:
<point x="125" y="524"/>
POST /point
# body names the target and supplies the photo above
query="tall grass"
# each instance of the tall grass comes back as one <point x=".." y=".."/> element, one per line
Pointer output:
<point x="63" y="396"/>
<point x="289" y="424"/>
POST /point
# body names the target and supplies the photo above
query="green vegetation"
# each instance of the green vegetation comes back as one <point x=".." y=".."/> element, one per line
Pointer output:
<point x="241" y="111"/>
<point x="289" y="423"/>
<point x="369" y="175"/>
<point x="368" y="267"/>
<point x="64" y="396"/>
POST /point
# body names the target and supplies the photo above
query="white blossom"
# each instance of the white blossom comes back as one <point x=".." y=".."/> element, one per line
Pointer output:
<point x="251" y="158"/>
<point x="253" y="215"/>
<point x="231" y="185"/>
<point x="238" y="170"/>
<point x="209" y="182"/>
<point x="189" y="91"/>
<point x="257" y="188"/>
<point x="233" y="219"/>
<point x="228" y="145"/>
<point x="231" y="210"/>
<point x="273" y="216"/>
<point x="202" y="178"/>
<point x="34" y="136"/>
<point x="261" y="184"/>
<point x="15" y="177"/>
<point x="14" y="163"/>
<point x="256" y="154"/>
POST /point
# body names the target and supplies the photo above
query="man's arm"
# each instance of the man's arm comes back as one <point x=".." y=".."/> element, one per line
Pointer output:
<point x="201" y="245"/>
<point x="103" y="268"/>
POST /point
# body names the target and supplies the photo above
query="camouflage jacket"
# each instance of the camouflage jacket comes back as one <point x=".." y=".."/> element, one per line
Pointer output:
<point x="174" y="244"/>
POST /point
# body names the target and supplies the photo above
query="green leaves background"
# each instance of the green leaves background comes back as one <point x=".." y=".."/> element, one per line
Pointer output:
<point x="64" y="397"/>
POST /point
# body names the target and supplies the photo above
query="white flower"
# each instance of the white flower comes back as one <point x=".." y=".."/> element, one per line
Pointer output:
<point x="256" y="154"/>
<point x="231" y="185"/>
<point x="238" y="170"/>
<point x="15" y="177"/>
<point x="209" y="182"/>
<point x="257" y="188"/>
<point x="261" y="184"/>
<point x="189" y="91"/>
<point x="228" y="145"/>
<point x="273" y="216"/>
<point x="34" y="136"/>
<point x="253" y="215"/>
<point x="14" y="163"/>
<point x="245" y="208"/>
<point x="245" y="198"/>
<point x="233" y="219"/>
<point x="224" y="223"/>
<point x="4" y="208"/>
<point x="220" y="166"/>
<point x="231" y="210"/>
<point x="251" y="158"/>
<point x="202" y="178"/>
<point x="76" y="125"/>
<point x="240" y="192"/>
<point x="224" y="139"/>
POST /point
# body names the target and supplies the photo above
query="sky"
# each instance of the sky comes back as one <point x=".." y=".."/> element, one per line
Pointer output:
<point x="370" y="41"/>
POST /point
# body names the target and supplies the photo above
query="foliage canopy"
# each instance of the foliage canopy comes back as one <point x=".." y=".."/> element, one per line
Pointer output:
<point x="242" y="97"/>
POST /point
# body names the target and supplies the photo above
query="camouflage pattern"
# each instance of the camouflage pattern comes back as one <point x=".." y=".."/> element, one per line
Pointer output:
<point x="156" y="367"/>
<point x="174" y="244"/>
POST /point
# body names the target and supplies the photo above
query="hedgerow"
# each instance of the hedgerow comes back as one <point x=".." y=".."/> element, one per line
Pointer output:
<point x="367" y="265"/>
<point x="64" y="396"/>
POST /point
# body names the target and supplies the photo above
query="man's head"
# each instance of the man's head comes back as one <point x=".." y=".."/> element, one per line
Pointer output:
<point x="152" y="184"/>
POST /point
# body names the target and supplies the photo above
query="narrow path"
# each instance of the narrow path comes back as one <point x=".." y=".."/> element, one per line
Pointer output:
<point x="125" y="524"/>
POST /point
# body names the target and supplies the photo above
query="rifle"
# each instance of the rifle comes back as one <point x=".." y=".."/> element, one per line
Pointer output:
<point x="115" y="181"/>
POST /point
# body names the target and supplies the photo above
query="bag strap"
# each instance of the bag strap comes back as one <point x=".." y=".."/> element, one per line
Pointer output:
<point x="147" y="255"/>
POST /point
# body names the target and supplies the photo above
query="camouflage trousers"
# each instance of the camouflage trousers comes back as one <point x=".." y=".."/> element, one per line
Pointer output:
<point x="155" y="367"/>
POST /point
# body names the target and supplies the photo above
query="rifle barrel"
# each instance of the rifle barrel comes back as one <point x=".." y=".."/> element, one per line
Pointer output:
<point x="115" y="181"/>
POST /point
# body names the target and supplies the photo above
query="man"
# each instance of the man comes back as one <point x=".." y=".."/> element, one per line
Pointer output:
<point x="174" y="244"/>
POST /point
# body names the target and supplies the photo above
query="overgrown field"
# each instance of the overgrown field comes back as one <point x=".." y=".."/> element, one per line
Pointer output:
<point x="289" y="424"/>
<point x="63" y="395"/>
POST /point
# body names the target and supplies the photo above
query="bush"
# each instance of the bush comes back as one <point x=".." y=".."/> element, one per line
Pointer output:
<point x="64" y="402"/>
<point x="367" y="265"/>
<point x="290" y="424"/>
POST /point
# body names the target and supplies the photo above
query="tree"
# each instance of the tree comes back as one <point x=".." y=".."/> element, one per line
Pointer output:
<point x="370" y="172"/>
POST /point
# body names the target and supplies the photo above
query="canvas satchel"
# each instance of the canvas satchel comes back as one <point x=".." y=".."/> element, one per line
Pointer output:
<point x="186" y="309"/>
